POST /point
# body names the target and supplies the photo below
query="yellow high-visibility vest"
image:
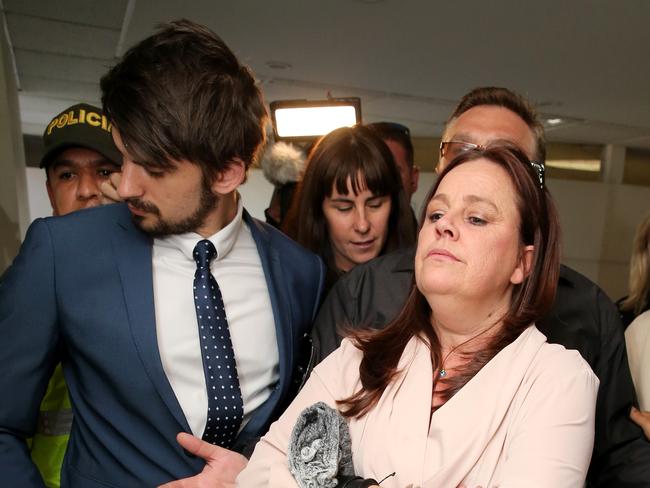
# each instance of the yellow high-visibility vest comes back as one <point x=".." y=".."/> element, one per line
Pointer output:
<point x="53" y="430"/>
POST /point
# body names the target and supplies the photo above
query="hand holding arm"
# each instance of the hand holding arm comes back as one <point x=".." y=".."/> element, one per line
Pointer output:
<point x="221" y="469"/>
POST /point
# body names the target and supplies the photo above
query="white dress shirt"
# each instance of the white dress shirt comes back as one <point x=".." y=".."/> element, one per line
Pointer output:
<point x="238" y="271"/>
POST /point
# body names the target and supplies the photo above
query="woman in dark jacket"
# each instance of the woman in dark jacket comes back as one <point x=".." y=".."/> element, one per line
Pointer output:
<point x="350" y="206"/>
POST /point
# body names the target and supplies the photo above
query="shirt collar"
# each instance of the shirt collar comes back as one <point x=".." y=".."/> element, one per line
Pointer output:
<point x="224" y="240"/>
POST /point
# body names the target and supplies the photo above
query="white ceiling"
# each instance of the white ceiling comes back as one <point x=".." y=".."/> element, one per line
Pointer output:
<point x="410" y="60"/>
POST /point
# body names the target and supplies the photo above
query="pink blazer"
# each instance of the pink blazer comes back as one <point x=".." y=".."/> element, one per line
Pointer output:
<point x="526" y="419"/>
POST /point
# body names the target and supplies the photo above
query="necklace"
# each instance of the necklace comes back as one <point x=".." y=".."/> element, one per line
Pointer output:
<point x="443" y="372"/>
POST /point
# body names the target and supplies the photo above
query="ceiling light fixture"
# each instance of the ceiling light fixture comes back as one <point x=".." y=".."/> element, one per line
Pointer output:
<point x="296" y="120"/>
<point x="554" y="121"/>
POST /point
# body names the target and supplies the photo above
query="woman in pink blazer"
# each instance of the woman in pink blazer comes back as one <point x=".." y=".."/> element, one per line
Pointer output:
<point x="461" y="389"/>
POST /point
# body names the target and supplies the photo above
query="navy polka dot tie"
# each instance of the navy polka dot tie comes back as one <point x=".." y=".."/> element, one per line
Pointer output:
<point x="225" y="404"/>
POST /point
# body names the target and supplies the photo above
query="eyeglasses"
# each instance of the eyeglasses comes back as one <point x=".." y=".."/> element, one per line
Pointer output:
<point x="452" y="149"/>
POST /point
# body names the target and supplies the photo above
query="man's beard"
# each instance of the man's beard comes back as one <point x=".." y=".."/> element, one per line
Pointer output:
<point x="207" y="203"/>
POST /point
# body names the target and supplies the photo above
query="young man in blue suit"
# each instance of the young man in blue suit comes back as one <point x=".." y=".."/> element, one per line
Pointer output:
<point x="174" y="311"/>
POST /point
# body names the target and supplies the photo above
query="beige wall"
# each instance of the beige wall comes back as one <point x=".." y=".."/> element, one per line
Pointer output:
<point x="598" y="222"/>
<point x="14" y="215"/>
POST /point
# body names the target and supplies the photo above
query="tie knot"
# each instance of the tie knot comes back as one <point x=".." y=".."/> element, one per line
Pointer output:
<point x="204" y="251"/>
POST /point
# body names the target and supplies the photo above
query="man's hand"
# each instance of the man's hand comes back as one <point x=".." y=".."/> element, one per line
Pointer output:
<point x="221" y="469"/>
<point x="109" y="189"/>
<point x="642" y="419"/>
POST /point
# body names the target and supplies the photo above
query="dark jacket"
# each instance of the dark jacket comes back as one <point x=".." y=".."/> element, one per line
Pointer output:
<point x="627" y="316"/>
<point x="582" y="318"/>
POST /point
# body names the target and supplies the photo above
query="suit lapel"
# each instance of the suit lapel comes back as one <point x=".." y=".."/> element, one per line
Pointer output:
<point x="133" y="252"/>
<point x="280" y="304"/>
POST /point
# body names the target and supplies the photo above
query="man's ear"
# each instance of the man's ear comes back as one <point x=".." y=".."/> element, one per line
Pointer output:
<point x="524" y="267"/>
<point x="229" y="179"/>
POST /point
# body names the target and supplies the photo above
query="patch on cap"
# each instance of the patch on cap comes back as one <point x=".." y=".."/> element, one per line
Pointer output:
<point x="81" y="125"/>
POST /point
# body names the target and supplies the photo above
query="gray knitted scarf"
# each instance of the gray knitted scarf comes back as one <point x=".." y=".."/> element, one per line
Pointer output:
<point x="319" y="448"/>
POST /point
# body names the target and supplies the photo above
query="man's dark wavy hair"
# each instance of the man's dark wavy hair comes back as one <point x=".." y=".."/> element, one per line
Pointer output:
<point x="181" y="94"/>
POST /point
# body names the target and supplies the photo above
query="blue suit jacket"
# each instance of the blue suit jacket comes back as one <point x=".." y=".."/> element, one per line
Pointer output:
<point x="80" y="291"/>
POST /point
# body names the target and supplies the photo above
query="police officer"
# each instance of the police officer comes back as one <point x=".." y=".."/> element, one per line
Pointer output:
<point x="79" y="156"/>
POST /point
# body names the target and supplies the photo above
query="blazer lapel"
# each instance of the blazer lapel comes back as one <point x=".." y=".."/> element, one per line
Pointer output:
<point x="462" y="428"/>
<point x="403" y="411"/>
<point x="280" y="304"/>
<point x="133" y="253"/>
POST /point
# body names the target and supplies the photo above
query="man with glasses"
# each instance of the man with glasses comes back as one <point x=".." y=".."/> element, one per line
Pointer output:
<point x="450" y="150"/>
<point x="582" y="317"/>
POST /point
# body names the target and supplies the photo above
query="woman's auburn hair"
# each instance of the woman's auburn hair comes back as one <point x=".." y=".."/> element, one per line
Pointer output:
<point x="531" y="299"/>
<point x="356" y="154"/>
